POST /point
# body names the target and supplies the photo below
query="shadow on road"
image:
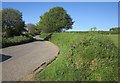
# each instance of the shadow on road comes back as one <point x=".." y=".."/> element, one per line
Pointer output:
<point x="4" y="57"/>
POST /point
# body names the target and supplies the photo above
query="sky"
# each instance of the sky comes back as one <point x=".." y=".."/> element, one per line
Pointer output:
<point x="103" y="15"/>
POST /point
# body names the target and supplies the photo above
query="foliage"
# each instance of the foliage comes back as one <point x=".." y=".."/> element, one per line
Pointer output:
<point x="0" y="20"/>
<point x="12" y="23"/>
<point x="82" y="58"/>
<point x="31" y="28"/>
<point x="93" y="29"/>
<point x="15" y="40"/>
<point x="115" y="30"/>
<point x="38" y="27"/>
<point x="55" y="20"/>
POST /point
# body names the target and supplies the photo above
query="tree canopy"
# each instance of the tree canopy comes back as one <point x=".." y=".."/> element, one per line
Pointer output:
<point x="115" y="29"/>
<point x="55" y="20"/>
<point x="12" y="23"/>
<point x="31" y="27"/>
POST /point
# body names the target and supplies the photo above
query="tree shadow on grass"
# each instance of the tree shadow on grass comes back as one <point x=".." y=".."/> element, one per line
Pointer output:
<point x="48" y="37"/>
<point x="4" y="57"/>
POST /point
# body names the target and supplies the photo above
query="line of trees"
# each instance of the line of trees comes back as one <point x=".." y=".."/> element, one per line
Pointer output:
<point x="13" y="24"/>
<point x="115" y="29"/>
<point x="55" y="20"/>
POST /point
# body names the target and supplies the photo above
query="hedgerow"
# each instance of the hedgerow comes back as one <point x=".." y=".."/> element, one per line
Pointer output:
<point x="16" y="40"/>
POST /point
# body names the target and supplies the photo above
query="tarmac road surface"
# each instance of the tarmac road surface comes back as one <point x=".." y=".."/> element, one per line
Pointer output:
<point x="21" y="60"/>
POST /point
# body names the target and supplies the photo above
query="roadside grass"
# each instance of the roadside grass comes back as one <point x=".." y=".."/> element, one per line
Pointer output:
<point x="115" y="39"/>
<point x="45" y="36"/>
<point x="83" y="57"/>
<point x="15" y="40"/>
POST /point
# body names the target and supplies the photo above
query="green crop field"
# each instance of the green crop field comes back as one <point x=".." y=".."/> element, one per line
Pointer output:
<point x="114" y="38"/>
<point x="83" y="57"/>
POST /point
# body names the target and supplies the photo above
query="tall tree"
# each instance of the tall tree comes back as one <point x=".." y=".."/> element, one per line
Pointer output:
<point x="55" y="20"/>
<point x="0" y="22"/>
<point x="12" y="23"/>
<point x="31" y="27"/>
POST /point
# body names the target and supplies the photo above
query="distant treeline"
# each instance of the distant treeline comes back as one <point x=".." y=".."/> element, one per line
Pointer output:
<point x="111" y="31"/>
<point x="101" y="32"/>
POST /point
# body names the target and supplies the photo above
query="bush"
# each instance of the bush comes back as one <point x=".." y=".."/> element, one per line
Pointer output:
<point x="15" y="40"/>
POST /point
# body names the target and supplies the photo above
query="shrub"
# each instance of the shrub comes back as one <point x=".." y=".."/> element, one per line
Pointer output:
<point x="15" y="40"/>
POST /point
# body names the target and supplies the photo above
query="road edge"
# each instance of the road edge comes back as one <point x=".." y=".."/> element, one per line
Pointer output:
<point x="31" y="76"/>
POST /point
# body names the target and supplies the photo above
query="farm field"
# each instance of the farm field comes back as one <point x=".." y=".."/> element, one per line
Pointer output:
<point x="83" y="58"/>
<point x="114" y="38"/>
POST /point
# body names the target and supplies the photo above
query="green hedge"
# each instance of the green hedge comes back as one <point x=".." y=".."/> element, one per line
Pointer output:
<point x="15" y="40"/>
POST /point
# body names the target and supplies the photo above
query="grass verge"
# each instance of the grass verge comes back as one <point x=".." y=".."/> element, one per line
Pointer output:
<point x="86" y="57"/>
<point x="45" y="36"/>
